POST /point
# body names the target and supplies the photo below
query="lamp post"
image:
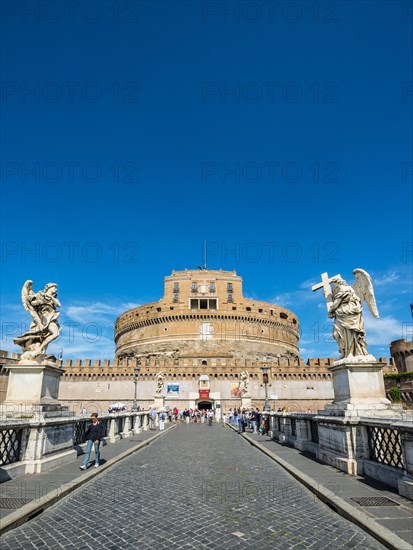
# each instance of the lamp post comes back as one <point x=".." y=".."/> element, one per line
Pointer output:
<point x="136" y="371"/>
<point x="267" y="407"/>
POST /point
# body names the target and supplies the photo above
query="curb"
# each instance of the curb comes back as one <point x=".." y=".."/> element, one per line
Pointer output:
<point x="33" y="509"/>
<point x="339" y="505"/>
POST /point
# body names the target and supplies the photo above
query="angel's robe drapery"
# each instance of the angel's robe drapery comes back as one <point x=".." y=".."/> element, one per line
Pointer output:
<point x="348" y="326"/>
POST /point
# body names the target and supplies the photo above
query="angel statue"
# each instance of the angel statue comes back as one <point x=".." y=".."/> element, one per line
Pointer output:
<point x="44" y="327"/>
<point x="160" y="377"/>
<point x="344" y="305"/>
<point x="243" y="384"/>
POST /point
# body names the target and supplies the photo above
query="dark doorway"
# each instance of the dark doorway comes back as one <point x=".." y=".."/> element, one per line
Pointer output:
<point x="207" y="405"/>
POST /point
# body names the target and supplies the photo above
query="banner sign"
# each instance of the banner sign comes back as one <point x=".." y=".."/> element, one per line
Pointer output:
<point x="204" y="394"/>
<point x="172" y="390"/>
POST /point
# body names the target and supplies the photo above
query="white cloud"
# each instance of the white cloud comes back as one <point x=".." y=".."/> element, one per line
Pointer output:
<point x="380" y="332"/>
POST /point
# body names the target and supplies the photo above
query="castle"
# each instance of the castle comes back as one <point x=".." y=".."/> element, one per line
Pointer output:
<point x="209" y="341"/>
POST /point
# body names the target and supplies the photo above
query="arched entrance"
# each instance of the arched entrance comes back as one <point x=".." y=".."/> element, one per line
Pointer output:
<point x="205" y="405"/>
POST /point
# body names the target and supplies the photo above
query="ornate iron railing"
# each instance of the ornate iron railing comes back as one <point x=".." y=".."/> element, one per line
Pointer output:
<point x="121" y="424"/>
<point x="314" y="431"/>
<point x="280" y="425"/>
<point x="385" y="446"/>
<point x="105" y="423"/>
<point x="79" y="431"/>
<point x="10" y="445"/>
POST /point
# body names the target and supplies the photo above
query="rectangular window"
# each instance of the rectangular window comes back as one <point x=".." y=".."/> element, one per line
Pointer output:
<point x="176" y="297"/>
<point x="176" y="287"/>
<point x="204" y="303"/>
<point x="194" y="287"/>
<point x="229" y="287"/>
<point x="230" y="298"/>
<point x="211" y="287"/>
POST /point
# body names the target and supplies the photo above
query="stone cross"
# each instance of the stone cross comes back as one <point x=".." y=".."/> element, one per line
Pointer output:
<point x="325" y="284"/>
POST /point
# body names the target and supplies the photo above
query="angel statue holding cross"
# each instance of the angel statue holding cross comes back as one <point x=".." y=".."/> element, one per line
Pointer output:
<point x="344" y="305"/>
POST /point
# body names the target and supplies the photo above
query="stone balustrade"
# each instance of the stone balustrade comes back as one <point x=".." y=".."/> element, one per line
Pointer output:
<point x="32" y="446"/>
<point x="379" y="448"/>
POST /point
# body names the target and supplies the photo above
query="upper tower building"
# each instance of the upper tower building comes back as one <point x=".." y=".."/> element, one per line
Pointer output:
<point x="204" y="315"/>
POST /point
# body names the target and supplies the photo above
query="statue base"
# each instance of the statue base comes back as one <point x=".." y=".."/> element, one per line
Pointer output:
<point x="32" y="391"/>
<point x="245" y="402"/>
<point x="359" y="389"/>
<point x="159" y="402"/>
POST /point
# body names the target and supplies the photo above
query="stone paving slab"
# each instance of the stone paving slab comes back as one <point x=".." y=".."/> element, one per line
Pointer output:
<point x="51" y="485"/>
<point x="197" y="487"/>
<point x="339" y="487"/>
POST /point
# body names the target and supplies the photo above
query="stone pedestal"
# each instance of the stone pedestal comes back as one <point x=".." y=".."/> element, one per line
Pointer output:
<point x="359" y="390"/>
<point x="32" y="391"/>
<point x="358" y="393"/>
<point x="159" y="402"/>
<point x="245" y="402"/>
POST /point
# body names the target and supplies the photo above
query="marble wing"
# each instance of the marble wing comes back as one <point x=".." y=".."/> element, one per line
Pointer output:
<point x="363" y="287"/>
<point x="27" y="293"/>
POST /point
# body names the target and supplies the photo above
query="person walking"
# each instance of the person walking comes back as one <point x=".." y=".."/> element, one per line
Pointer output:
<point x="253" y="420"/>
<point x="162" y="418"/>
<point x="94" y="434"/>
<point x="152" y="419"/>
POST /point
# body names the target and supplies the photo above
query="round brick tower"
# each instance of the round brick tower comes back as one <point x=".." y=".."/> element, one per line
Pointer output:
<point x="203" y="315"/>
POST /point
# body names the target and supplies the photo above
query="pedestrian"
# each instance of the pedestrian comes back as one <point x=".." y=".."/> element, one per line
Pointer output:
<point x="94" y="434"/>
<point x="152" y="419"/>
<point x="235" y="417"/>
<point x="253" y="420"/>
<point x="162" y="421"/>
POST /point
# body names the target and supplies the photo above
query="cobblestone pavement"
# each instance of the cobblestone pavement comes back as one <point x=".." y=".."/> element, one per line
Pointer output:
<point x="198" y="487"/>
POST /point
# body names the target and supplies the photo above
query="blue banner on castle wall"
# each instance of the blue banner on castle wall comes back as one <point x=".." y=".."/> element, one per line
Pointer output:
<point x="172" y="389"/>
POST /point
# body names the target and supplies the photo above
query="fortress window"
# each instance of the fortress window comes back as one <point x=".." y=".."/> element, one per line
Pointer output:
<point x="234" y="308"/>
<point x="204" y="363"/>
<point x="204" y="303"/>
<point x="229" y="287"/>
<point x="176" y="297"/>
<point x="248" y="308"/>
<point x="158" y="309"/>
<point x="283" y="315"/>
<point x="194" y="287"/>
<point x="230" y="298"/>
<point x="271" y="312"/>
<point x="211" y="287"/>
<point x="176" y="287"/>
<point x="260" y="311"/>
<point x="294" y="321"/>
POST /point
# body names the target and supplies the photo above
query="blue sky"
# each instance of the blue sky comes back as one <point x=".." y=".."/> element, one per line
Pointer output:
<point x="280" y="134"/>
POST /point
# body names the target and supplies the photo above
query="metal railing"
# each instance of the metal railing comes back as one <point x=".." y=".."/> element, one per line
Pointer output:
<point x="314" y="431"/>
<point x="385" y="446"/>
<point x="10" y="445"/>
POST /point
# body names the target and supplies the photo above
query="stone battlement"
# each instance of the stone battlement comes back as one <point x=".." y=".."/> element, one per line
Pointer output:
<point x="215" y="365"/>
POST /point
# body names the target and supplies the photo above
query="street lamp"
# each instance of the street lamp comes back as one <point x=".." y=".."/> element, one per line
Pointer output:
<point x="267" y="407"/>
<point x="136" y="371"/>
